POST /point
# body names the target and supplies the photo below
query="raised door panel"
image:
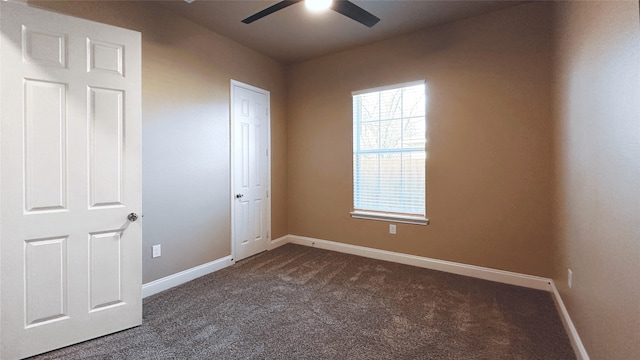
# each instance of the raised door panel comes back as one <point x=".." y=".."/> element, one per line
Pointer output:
<point x="44" y="48"/>
<point x="105" y="57"/>
<point x="244" y="221"/>
<point x="245" y="161"/>
<point x="257" y="156"/>
<point x="258" y="179"/>
<point x="106" y="120"/>
<point x="257" y="219"/>
<point x="105" y="270"/>
<point x="45" y="146"/>
<point x="45" y="281"/>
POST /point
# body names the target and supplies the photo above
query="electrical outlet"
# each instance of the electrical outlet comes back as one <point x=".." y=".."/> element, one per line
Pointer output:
<point x="392" y="229"/>
<point x="569" y="277"/>
<point x="156" y="251"/>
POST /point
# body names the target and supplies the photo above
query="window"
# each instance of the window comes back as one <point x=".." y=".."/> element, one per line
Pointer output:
<point x="389" y="138"/>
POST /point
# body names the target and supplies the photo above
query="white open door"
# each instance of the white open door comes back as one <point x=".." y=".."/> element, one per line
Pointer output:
<point x="251" y="169"/>
<point x="70" y="107"/>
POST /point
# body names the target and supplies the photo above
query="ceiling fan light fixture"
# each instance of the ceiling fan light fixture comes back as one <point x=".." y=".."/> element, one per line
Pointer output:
<point x="344" y="7"/>
<point x="317" y="5"/>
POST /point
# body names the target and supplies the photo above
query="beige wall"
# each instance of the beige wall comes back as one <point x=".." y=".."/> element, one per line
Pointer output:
<point x="599" y="173"/>
<point x="490" y="144"/>
<point x="186" y="72"/>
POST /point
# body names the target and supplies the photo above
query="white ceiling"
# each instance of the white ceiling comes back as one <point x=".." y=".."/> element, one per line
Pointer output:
<point x="293" y="34"/>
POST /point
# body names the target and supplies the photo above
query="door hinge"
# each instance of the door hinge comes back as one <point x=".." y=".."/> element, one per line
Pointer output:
<point x="267" y="193"/>
<point x="267" y="152"/>
<point x="268" y="235"/>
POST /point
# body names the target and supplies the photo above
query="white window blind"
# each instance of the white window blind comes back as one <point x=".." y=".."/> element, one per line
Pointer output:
<point x="389" y="138"/>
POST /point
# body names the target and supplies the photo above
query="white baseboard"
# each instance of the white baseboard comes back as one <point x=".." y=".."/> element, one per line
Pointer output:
<point x="506" y="277"/>
<point x="576" y="343"/>
<point x="182" y="277"/>
<point x="276" y="243"/>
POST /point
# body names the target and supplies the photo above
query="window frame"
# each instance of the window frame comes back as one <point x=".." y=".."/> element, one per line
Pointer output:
<point x="382" y="215"/>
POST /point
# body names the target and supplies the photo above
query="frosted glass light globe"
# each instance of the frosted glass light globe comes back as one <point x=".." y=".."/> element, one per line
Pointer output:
<point x="317" y="5"/>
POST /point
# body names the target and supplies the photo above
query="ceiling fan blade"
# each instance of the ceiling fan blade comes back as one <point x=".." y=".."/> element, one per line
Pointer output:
<point x="355" y="12"/>
<point x="270" y="10"/>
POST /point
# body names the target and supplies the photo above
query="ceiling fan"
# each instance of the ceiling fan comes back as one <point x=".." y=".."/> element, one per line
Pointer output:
<point x="346" y="8"/>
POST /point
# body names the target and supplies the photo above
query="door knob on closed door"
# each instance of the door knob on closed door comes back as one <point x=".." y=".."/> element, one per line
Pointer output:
<point x="238" y="196"/>
<point x="132" y="217"/>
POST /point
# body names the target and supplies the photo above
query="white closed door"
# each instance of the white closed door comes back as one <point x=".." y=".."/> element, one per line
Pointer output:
<point x="70" y="262"/>
<point x="251" y="168"/>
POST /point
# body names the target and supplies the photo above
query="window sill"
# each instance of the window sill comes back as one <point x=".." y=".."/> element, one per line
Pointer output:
<point x="416" y="220"/>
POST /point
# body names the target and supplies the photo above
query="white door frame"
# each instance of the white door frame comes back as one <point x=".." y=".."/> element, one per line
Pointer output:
<point x="232" y="159"/>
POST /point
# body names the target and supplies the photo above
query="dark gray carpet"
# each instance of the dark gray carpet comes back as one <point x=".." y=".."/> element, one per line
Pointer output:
<point x="298" y="302"/>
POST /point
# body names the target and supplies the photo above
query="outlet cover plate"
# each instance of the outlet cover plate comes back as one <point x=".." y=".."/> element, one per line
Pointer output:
<point x="156" y="251"/>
